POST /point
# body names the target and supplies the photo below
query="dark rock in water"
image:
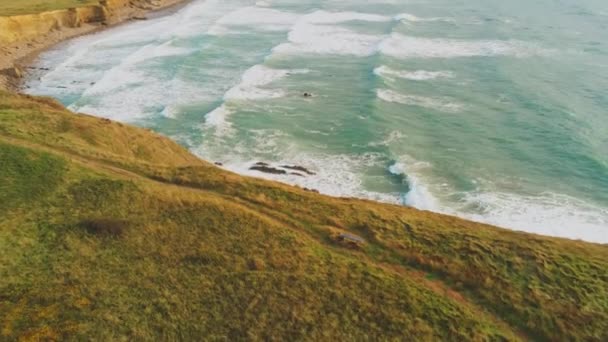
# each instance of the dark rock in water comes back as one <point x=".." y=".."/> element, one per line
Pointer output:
<point x="298" y="168"/>
<point x="307" y="95"/>
<point x="282" y="169"/>
<point x="219" y="164"/>
<point x="312" y="190"/>
<point x="268" y="169"/>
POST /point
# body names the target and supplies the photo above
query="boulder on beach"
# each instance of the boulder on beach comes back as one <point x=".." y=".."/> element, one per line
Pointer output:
<point x="15" y="72"/>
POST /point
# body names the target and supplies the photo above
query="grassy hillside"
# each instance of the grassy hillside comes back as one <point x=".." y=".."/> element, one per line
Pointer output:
<point x="18" y="7"/>
<point x="112" y="232"/>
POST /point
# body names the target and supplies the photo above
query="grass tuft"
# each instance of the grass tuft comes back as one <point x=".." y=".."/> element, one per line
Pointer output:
<point x="105" y="227"/>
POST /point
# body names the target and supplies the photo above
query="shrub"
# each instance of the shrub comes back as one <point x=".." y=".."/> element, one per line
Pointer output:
<point x="105" y="227"/>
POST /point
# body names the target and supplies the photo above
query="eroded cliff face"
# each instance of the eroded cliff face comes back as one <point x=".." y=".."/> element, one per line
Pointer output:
<point x="22" y="35"/>
<point x="116" y="11"/>
<point x="24" y="28"/>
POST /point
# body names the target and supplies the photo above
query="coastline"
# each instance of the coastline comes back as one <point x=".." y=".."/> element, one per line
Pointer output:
<point x="128" y="230"/>
<point x="479" y="217"/>
<point x="17" y="56"/>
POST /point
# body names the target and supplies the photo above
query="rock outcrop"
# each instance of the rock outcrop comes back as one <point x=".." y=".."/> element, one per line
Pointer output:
<point x="282" y="169"/>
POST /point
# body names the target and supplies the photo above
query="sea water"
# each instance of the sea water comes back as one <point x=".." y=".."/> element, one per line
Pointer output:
<point x="495" y="111"/>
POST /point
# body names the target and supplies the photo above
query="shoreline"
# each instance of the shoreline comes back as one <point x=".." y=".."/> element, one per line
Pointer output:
<point x="31" y="58"/>
<point x="18" y="56"/>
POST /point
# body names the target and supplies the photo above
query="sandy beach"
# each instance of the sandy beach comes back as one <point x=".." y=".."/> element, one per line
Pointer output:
<point x="17" y="55"/>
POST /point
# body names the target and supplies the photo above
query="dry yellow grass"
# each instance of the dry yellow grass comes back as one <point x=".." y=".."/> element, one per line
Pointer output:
<point x="18" y="7"/>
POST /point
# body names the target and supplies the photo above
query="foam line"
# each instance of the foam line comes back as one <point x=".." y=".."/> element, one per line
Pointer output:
<point x="413" y="18"/>
<point x="440" y="104"/>
<point x="253" y="80"/>
<point x="402" y="46"/>
<point x="254" y="18"/>
<point x="417" y="75"/>
<point x="319" y="33"/>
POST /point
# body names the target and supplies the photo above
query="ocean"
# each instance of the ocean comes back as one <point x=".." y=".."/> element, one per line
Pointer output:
<point x="494" y="111"/>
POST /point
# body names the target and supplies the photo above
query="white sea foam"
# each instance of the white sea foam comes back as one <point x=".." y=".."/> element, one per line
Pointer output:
<point x="327" y="39"/>
<point x="340" y="175"/>
<point x="170" y="112"/>
<point x="419" y="196"/>
<point x="125" y="92"/>
<point x="255" y="17"/>
<point x="126" y="73"/>
<point x="263" y="3"/>
<point x="417" y="75"/>
<point x="134" y="102"/>
<point x="251" y="87"/>
<point x="201" y="17"/>
<point x="335" y="175"/>
<point x="253" y="80"/>
<point x="393" y="137"/>
<point x="546" y="213"/>
<point x="413" y="18"/>
<point x="107" y="70"/>
<point x="441" y="104"/>
<point x="324" y="17"/>
<point x="318" y="33"/>
<point x="401" y="46"/>
<point x="217" y="117"/>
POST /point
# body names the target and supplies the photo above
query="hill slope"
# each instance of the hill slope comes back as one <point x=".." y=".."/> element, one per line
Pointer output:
<point x="109" y="231"/>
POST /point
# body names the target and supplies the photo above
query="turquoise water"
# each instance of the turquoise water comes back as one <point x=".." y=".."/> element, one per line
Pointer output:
<point x="490" y="110"/>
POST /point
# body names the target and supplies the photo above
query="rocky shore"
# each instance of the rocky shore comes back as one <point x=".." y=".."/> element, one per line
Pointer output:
<point x="295" y="170"/>
<point x="23" y="37"/>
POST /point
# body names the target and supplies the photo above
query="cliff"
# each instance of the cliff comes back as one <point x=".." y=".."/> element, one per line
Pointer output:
<point x="112" y="232"/>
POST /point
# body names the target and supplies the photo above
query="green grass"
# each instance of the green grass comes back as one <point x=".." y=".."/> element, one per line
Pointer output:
<point x="18" y="7"/>
<point x="26" y="176"/>
<point x="202" y="252"/>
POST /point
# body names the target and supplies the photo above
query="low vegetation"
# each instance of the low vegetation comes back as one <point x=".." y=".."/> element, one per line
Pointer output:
<point x="18" y="7"/>
<point x="109" y="232"/>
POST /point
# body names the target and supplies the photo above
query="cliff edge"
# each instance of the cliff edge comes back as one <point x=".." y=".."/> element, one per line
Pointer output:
<point x="113" y="232"/>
